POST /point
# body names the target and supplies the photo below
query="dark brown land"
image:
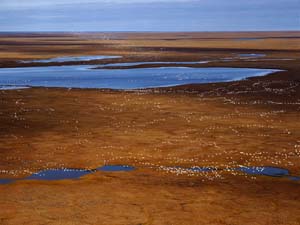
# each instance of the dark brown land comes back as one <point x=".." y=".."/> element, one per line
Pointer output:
<point x="254" y="122"/>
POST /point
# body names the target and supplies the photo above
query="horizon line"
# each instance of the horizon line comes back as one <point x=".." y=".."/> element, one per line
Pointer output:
<point x="232" y="31"/>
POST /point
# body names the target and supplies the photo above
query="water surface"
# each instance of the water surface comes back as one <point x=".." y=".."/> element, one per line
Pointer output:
<point x="71" y="59"/>
<point x="82" y="76"/>
<point x="66" y="173"/>
<point x="251" y="55"/>
<point x="12" y="87"/>
<point x="115" y="168"/>
<point x="59" y="174"/>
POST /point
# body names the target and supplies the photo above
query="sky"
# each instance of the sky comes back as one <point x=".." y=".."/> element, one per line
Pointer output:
<point x="149" y="15"/>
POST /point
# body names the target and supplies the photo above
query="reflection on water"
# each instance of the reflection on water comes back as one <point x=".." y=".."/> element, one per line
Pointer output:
<point x="83" y="76"/>
<point x="71" y="59"/>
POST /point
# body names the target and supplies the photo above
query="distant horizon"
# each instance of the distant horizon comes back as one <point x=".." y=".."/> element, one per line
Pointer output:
<point x="233" y="31"/>
<point x="149" y="15"/>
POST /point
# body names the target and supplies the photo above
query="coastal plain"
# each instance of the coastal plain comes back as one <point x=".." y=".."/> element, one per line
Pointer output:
<point x="161" y="132"/>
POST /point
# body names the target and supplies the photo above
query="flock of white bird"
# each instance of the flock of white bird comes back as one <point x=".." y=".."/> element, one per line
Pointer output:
<point x="175" y="163"/>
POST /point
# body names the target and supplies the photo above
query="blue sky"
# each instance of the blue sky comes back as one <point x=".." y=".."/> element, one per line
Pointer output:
<point x="149" y="15"/>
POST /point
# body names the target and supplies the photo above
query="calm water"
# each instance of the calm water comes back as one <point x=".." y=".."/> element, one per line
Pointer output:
<point x="83" y="76"/>
<point x="71" y="59"/>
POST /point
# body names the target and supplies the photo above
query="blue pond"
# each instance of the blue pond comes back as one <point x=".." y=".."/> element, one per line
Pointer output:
<point x="59" y="174"/>
<point x="71" y="59"/>
<point x="84" y="77"/>
<point x="115" y="168"/>
<point x="65" y="173"/>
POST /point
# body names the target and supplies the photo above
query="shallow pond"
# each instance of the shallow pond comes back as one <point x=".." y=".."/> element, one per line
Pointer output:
<point x="66" y="173"/>
<point x="59" y="174"/>
<point x="115" y="168"/>
<point x="84" y="76"/>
